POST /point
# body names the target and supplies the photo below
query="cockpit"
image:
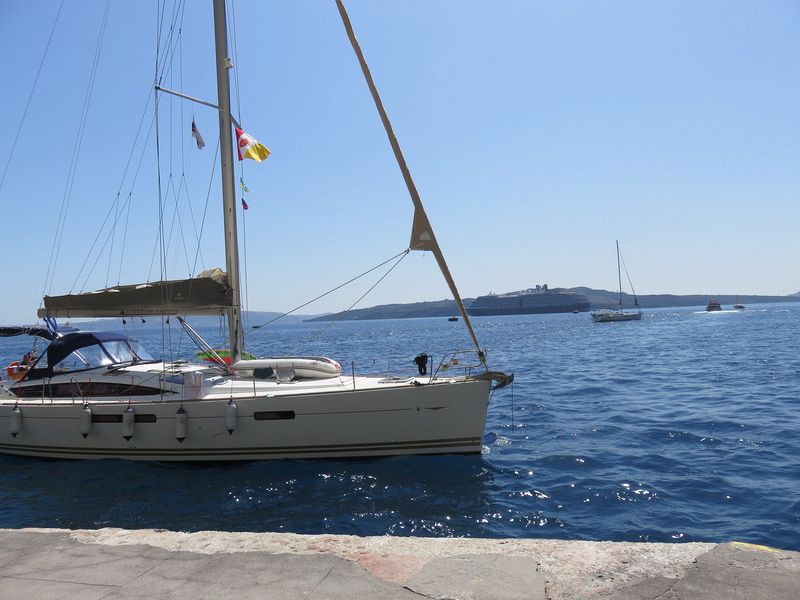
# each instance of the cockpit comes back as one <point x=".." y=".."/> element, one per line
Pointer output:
<point x="83" y="350"/>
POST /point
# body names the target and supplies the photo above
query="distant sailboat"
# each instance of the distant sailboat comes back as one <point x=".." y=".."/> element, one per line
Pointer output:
<point x="607" y="315"/>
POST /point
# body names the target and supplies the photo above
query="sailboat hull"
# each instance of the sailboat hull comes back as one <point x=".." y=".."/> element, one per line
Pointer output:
<point x="446" y="417"/>
<point x="612" y="316"/>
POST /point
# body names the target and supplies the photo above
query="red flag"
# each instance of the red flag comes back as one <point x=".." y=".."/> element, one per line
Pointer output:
<point x="244" y="204"/>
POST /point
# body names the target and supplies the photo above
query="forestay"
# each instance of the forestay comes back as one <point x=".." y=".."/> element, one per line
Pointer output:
<point x="422" y="236"/>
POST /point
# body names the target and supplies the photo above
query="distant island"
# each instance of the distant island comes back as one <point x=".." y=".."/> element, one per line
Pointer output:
<point x="447" y="308"/>
<point x="597" y="298"/>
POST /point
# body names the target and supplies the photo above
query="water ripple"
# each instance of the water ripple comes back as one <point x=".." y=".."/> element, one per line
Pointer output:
<point x="681" y="427"/>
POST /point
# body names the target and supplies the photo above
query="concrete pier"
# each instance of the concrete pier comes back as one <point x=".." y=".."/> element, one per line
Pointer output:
<point x="119" y="564"/>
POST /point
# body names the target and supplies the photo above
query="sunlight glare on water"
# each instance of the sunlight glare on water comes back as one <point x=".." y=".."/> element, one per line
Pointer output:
<point x="682" y="426"/>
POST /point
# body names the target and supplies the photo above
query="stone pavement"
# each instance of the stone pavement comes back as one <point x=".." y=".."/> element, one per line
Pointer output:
<point x="122" y="564"/>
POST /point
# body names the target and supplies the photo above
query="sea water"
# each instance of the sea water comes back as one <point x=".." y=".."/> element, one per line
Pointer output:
<point x="684" y="426"/>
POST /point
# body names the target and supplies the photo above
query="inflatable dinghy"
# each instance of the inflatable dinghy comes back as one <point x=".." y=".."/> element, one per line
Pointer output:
<point x="288" y="367"/>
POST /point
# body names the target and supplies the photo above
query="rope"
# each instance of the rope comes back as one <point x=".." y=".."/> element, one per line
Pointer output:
<point x="338" y="287"/>
<point x="343" y="313"/>
<point x="30" y="96"/>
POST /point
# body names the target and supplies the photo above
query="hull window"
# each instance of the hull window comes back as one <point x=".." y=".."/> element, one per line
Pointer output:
<point x="86" y="390"/>
<point x="137" y="418"/>
<point x="273" y="415"/>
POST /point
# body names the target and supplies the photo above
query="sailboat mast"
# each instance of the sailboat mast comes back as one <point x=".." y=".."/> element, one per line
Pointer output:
<point x="228" y="186"/>
<point x="619" y="277"/>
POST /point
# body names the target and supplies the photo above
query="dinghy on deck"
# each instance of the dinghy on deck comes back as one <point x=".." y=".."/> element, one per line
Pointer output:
<point x="289" y="367"/>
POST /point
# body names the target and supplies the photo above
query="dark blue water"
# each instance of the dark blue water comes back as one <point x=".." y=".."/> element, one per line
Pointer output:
<point x="681" y="427"/>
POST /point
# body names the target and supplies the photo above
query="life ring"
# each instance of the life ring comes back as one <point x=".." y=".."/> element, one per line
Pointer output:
<point x="16" y="370"/>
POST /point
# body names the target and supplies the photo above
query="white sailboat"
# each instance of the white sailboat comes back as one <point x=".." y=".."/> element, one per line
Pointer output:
<point x="608" y="315"/>
<point x="101" y="395"/>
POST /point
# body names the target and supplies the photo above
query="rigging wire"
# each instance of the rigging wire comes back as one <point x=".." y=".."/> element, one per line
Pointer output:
<point x="169" y="53"/>
<point x="115" y="206"/>
<point x="183" y="185"/>
<point x="338" y="287"/>
<point x="158" y="177"/>
<point x="164" y="245"/>
<point x="164" y="63"/>
<point x="198" y="253"/>
<point x="341" y="315"/>
<point x="171" y="190"/>
<point x="56" y="248"/>
<point x="116" y="199"/>
<point x="624" y="266"/>
<point x="176" y="217"/>
<point x="30" y="96"/>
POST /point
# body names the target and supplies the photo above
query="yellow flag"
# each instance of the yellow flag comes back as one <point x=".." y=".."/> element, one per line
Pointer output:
<point x="249" y="147"/>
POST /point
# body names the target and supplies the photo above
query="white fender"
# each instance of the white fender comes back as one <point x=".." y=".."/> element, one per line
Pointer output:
<point x="230" y="416"/>
<point x="181" y="424"/>
<point x="128" y="423"/>
<point x="86" y="420"/>
<point x="15" y="421"/>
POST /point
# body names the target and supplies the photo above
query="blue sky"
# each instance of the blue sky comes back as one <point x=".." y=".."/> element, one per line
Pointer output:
<point x="537" y="133"/>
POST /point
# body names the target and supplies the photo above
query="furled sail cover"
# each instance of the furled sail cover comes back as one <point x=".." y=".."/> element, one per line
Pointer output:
<point x="206" y="294"/>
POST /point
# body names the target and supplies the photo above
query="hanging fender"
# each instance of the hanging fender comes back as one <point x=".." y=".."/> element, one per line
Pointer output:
<point x="231" y="411"/>
<point x="86" y="420"/>
<point x="181" y="425"/>
<point x="15" y="421"/>
<point x="128" y="423"/>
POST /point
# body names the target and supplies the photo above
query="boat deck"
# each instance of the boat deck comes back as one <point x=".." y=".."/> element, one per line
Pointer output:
<point x="218" y="386"/>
